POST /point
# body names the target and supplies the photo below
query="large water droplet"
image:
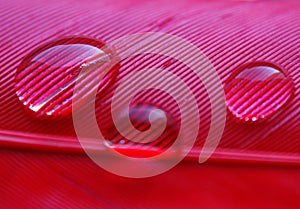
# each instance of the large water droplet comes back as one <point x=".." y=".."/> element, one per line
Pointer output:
<point x="45" y="79"/>
<point x="257" y="90"/>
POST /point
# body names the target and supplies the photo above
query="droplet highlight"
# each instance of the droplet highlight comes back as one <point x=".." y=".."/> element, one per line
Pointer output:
<point x="45" y="79"/>
<point x="257" y="90"/>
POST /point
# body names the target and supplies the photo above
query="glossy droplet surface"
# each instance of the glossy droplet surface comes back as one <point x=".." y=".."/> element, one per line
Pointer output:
<point x="46" y="78"/>
<point x="141" y="118"/>
<point x="257" y="90"/>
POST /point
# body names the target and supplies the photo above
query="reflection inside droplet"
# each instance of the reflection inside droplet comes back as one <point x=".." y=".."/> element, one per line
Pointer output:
<point x="257" y="90"/>
<point x="45" y="79"/>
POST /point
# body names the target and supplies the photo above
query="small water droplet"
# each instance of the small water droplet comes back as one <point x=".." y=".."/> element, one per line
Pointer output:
<point x="141" y="117"/>
<point x="257" y="90"/>
<point x="46" y="78"/>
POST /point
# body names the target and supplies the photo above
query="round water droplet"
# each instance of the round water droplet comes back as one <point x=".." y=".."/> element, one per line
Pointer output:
<point x="142" y="117"/>
<point x="257" y="90"/>
<point x="46" y="78"/>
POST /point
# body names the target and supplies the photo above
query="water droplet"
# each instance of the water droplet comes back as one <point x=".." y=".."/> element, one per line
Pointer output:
<point x="45" y="79"/>
<point x="257" y="90"/>
<point x="142" y="117"/>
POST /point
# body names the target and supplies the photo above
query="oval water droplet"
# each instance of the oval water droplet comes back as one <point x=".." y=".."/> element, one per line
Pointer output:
<point x="141" y="117"/>
<point x="46" y="78"/>
<point x="257" y="90"/>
